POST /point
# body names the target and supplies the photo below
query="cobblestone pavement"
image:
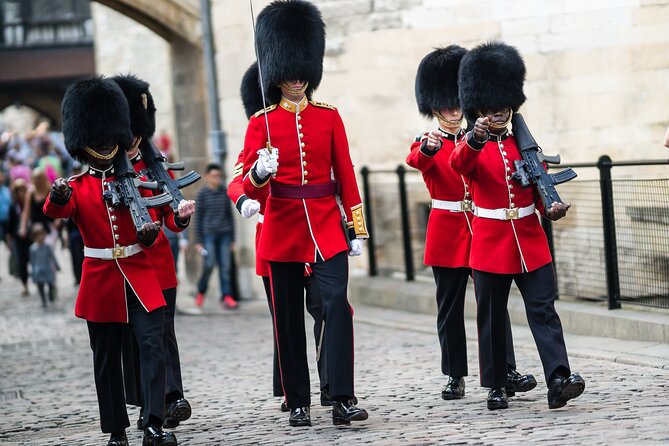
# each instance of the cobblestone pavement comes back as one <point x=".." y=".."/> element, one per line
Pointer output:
<point x="48" y="395"/>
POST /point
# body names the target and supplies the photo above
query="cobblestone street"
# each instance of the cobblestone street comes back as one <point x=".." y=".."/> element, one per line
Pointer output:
<point x="48" y="395"/>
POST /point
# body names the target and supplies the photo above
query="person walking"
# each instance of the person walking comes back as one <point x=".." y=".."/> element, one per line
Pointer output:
<point x="214" y="235"/>
<point x="43" y="264"/>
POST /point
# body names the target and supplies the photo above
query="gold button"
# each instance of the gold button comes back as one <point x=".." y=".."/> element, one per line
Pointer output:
<point x="511" y="195"/>
<point x="299" y="118"/>
<point x="513" y="205"/>
<point x="285" y="104"/>
<point x="301" y="135"/>
<point x="113" y="217"/>
<point x="299" y="126"/>
<point x="506" y="161"/>
<point x="502" y="146"/>
<point x="302" y="144"/>
<point x="466" y="194"/>
<point x="508" y="178"/>
<point x="359" y="218"/>
<point x="114" y="227"/>
<point x="304" y="154"/>
<point x="116" y="236"/>
<point x="508" y="168"/>
<point x="504" y="153"/>
<point x="304" y="163"/>
<point x="111" y="209"/>
<point x="306" y="173"/>
<point x="305" y="182"/>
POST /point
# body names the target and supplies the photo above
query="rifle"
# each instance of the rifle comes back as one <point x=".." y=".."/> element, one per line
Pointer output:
<point x="157" y="169"/>
<point x="530" y="169"/>
<point x="124" y="191"/>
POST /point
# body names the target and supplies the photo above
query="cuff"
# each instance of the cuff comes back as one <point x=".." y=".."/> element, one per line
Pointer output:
<point x="474" y="143"/>
<point x="424" y="150"/>
<point x="60" y="201"/>
<point x="359" y="226"/>
<point x="181" y="224"/>
<point x="256" y="180"/>
<point x="240" y="202"/>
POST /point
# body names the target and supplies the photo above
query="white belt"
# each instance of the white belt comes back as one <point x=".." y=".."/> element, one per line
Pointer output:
<point x="261" y="218"/>
<point x="504" y="213"/>
<point x="120" y="252"/>
<point x="453" y="206"/>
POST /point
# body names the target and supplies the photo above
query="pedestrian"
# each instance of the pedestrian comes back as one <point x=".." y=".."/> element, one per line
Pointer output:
<point x="302" y="220"/>
<point x="508" y="242"/>
<point x="214" y="235"/>
<point x="448" y="235"/>
<point x="43" y="264"/>
<point x="119" y="285"/>
<point x="20" y="242"/>
<point x="32" y="211"/>
<point x="5" y="206"/>
<point x="252" y="100"/>
<point x="143" y="124"/>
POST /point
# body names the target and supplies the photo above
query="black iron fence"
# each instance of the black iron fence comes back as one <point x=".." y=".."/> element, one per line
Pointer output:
<point x="613" y="246"/>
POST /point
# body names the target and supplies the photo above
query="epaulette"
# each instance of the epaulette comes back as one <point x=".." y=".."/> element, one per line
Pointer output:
<point x="264" y="110"/>
<point x="239" y="168"/>
<point x="322" y="105"/>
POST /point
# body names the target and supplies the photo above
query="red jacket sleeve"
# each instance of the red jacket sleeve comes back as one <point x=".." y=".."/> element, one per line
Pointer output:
<point x="66" y="210"/>
<point x="254" y="140"/>
<point x="464" y="157"/>
<point x="344" y="174"/>
<point x="419" y="159"/>
<point x="236" y="184"/>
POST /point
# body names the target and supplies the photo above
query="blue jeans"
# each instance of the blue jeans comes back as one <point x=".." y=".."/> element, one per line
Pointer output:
<point x="218" y="253"/>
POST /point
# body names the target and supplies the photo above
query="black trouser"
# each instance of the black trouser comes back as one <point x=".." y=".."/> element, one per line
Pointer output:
<point x="131" y="360"/>
<point x="314" y="308"/>
<point x="451" y="291"/>
<point x="287" y="283"/>
<point x="106" y="344"/>
<point x="538" y="289"/>
<point x="42" y="292"/>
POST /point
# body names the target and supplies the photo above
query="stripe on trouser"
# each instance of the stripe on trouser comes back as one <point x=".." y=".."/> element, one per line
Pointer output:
<point x="276" y="333"/>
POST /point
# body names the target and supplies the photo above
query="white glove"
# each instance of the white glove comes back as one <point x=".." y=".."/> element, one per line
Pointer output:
<point x="250" y="208"/>
<point x="356" y="247"/>
<point x="268" y="162"/>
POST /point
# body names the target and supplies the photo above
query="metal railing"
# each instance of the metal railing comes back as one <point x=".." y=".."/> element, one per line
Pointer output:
<point x="610" y="247"/>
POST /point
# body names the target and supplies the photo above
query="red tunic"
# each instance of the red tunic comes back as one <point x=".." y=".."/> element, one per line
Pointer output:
<point x="448" y="235"/>
<point x="501" y="246"/>
<point x="160" y="255"/>
<point x="236" y="194"/>
<point x="101" y="295"/>
<point x="313" y="149"/>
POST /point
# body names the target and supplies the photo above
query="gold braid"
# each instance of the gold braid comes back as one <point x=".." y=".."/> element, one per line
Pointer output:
<point x="96" y="155"/>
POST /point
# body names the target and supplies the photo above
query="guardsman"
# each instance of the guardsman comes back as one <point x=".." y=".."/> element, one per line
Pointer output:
<point x="119" y="285"/>
<point x="448" y="235"/>
<point x="302" y="220"/>
<point x="143" y="125"/>
<point x="508" y="242"/>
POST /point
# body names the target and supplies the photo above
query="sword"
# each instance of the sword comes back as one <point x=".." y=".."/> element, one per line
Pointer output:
<point x="320" y="342"/>
<point x="262" y="83"/>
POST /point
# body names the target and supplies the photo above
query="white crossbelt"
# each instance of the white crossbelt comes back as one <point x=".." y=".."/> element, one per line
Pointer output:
<point x="261" y="218"/>
<point x="504" y="213"/>
<point x="453" y="206"/>
<point x="119" y="252"/>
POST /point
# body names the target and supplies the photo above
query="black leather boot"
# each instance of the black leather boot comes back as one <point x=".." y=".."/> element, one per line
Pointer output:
<point x="563" y="389"/>
<point x="176" y="412"/>
<point x="118" y="439"/>
<point x="515" y="382"/>
<point x="497" y="399"/>
<point x="454" y="389"/>
<point x="343" y="412"/>
<point x="155" y="436"/>
<point x="299" y="416"/>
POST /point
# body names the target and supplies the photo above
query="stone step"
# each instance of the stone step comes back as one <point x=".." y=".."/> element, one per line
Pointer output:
<point x="578" y="317"/>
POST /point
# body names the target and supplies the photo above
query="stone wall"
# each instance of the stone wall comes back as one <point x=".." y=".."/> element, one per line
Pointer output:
<point x="124" y="46"/>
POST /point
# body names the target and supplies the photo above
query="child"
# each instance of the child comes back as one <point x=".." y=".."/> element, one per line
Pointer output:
<point x="43" y="263"/>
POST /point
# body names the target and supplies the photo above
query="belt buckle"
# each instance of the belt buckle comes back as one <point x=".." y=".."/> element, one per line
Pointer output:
<point x="511" y="214"/>
<point x="466" y="206"/>
<point x="118" y="252"/>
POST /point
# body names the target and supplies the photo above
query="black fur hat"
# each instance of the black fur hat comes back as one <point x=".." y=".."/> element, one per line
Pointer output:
<point x="291" y="45"/>
<point x="250" y="91"/>
<point x="140" y="101"/>
<point x="491" y="77"/>
<point x="95" y="114"/>
<point x="437" y="79"/>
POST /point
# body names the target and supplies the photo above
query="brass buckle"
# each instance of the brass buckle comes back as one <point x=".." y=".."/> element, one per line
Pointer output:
<point x="118" y="252"/>
<point x="511" y="214"/>
<point x="466" y="205"/>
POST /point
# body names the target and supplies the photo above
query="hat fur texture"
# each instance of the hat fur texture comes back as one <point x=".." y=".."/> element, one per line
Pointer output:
<point x="250" y="91"/>
<point x="142" y="119"/>
<point x="491" y="77"/>
<point x="95" y="114"/>
<point x="290" y="35"/>
<point x="437" y="80"/>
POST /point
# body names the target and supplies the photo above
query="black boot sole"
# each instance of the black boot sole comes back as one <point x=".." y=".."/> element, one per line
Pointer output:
<point x="181" y="413"/>
<point x="451" y="396"/>
<point x="342" y="421"/>
<point x="147" y="442"/>
<point x="573" y="390"/>
<point x="300" y="423"/>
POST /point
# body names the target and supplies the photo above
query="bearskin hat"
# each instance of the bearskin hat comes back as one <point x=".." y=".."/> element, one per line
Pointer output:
<point x="290" y="35"/>
<point x="250" y="91"/>
<point x="95" y="114"/>
<point x="437" y="79"/>
<point x="491" y="77"/>
<point x="140" y="101"/>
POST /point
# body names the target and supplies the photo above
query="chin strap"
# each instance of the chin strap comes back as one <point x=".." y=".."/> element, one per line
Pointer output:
<point x="99" y="156"/>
